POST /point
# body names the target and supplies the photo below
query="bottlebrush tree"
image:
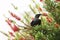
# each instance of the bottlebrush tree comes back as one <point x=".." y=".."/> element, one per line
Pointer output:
<point x="49" y="29"/>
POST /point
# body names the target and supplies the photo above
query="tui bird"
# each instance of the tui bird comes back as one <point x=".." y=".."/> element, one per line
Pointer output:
<point x="36" y="20"/>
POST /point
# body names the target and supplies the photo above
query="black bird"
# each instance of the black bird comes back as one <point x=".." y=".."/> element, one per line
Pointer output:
<point x="36" y="20"/>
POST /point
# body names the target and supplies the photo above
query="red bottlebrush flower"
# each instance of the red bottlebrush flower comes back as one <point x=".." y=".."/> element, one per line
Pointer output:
<point x="11" y="33"/>
<point x="49" y="19"/>
<point x="57" y="0"/>
<point x="40" y="9"/>
<point x="45" y="14"/>
<point x="41" y="0"/>
<point x="14" y="15"/>
<point x="32" y="38"/>
<point x="22" y="38"/>
<point x="15" y="28"/>
<point x="56" y="25"/>
<point x="9" y="22"/>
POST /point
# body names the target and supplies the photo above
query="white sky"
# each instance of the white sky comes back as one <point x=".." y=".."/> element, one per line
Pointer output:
<point x="5" y="5"/>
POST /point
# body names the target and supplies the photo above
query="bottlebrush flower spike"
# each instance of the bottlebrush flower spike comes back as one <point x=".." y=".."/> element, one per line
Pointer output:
<point x="9" y="22"/>
<point x="15" y="28"/>
<point x="40" y="9"/>
<point x="41" y="0"/>
<point x="32" y="38"/>
<point x="49" y="19"/>
<point x="57" y="0"/>
<point x="22" y="38"/>
<point x="56" y="25"/>
<point x="14" y="15"/>
<point x="11" y="33"/>
<point x="45" y="14"/>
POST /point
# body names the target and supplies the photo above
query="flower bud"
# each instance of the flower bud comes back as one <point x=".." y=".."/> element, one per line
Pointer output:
<point x="14" y="15"/>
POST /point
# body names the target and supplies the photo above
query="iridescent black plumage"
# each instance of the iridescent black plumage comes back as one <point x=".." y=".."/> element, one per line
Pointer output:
<point x="36" y="20"/>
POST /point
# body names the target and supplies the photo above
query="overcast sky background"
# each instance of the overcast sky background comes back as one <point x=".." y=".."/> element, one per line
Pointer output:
<point x="5" y="5"/>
